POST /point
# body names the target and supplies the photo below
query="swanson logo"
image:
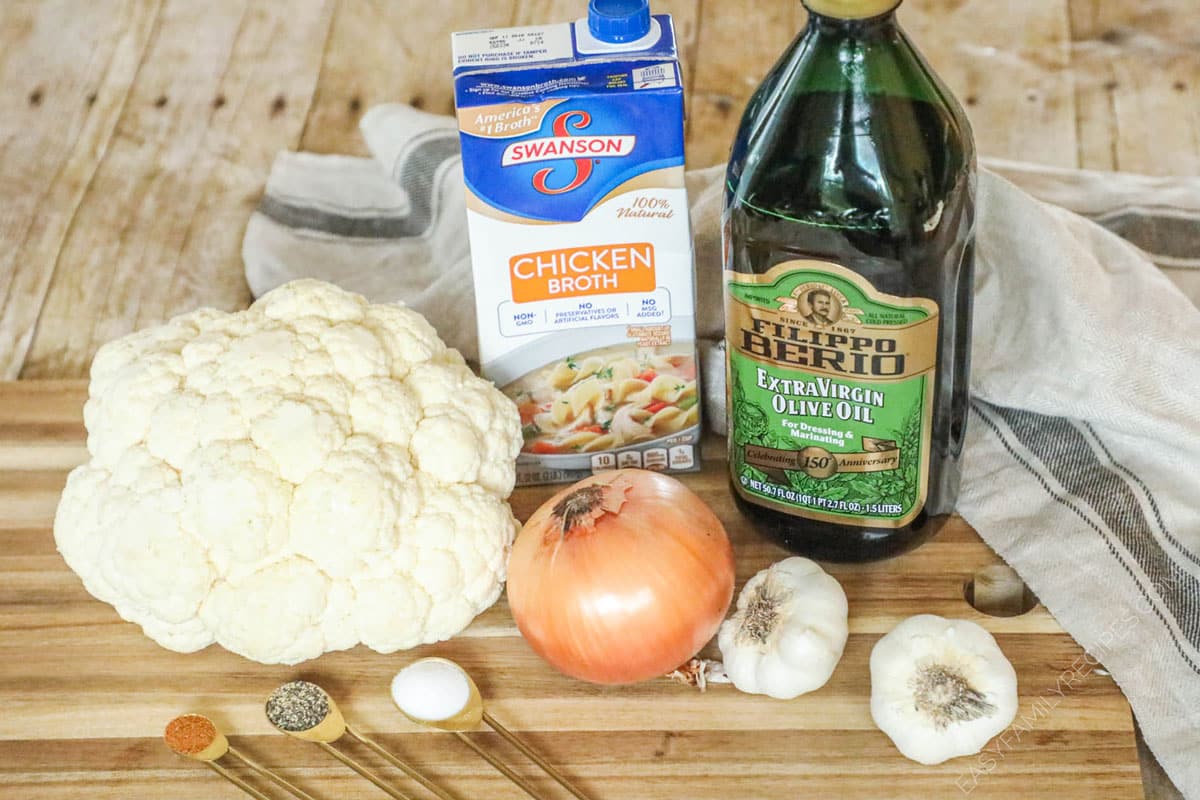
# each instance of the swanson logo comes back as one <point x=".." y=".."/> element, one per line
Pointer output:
<point x="563" y="144"/>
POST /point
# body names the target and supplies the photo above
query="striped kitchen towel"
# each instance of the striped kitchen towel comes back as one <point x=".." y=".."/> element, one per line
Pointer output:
<point x="1082" y="463"/>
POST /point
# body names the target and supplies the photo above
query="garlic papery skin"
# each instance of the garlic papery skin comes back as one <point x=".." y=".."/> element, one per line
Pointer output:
<point x="941" y="688"/>
<point x="788" y="632"/>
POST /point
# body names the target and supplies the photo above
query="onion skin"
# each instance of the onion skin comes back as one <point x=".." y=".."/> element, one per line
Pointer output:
<point x="621" y="597"/>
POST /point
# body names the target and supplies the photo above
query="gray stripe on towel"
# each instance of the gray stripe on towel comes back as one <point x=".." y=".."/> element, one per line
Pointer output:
<point x="314" y="219"/>
<point x="1068" y="457"/>
<point x="1171" y="235"/>
<point x="417" y="169"/>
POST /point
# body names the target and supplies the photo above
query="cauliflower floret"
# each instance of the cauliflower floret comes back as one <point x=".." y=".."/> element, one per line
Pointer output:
<point x="452" y="564"/>
<point x="386" y="410"/>
<point x="407" y="337"/>
<point x="117" y="354"/>
<point x="355" y="351"/>
<point x="174" y="430"/>
<point x="451" y="569"/>
<point x="121" y="531"/>
<point x="436" y="384"/>
<point x="337" y="625"/>
<point x="449" y="448"/>
<point x="157" y="571"/>
<point x="333" y="391"/>
<point x="236" y="502"/>
<point x="491" y="411"/>
<point x="131" y="396"/>
<point x="80" y="528"/>
<point x="261" y="358"/>
<point x="450" y="392"/>
<point x="299" y="477"/>
<point x="309" y="298"/>
<point x="299" y="435"/>
<point x="273" y="615"/>
<point x="348" y="514"/>
<point x="390" y="614"/>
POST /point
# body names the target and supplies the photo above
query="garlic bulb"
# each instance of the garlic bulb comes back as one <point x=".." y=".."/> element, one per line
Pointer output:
<point x="788" y="632"/>
<point x="941" y="688"/>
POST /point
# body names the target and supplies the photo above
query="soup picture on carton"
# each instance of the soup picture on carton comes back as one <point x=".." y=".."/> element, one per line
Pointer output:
<point x="606" y="399"/>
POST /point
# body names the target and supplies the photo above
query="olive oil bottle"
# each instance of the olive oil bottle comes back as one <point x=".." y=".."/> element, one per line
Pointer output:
<point x="848" y="238"/>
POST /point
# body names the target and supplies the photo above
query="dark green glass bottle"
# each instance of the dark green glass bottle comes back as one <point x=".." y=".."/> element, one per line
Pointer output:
<point x="849" y="256"/>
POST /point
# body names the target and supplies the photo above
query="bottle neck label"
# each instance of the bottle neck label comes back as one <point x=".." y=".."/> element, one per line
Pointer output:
<point x="830" y="394"/>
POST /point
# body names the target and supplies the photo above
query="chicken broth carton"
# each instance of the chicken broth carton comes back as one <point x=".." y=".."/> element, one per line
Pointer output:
<point x="572" y="147"/>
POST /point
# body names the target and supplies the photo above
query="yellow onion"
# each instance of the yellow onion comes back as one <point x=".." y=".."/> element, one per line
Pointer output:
<point x="621" y="577"/>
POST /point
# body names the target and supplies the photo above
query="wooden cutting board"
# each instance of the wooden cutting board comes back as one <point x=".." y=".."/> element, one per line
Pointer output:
<point x="84" y="696"/>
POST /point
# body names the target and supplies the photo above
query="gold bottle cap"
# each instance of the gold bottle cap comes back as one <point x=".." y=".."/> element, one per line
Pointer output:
<point x="851" y="9"/>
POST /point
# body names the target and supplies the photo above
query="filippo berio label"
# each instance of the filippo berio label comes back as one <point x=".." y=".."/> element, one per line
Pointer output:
<point x="830" y="394"/>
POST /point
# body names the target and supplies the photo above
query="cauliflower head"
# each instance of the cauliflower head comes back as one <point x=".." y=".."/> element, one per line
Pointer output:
<point x="299" y="477"/>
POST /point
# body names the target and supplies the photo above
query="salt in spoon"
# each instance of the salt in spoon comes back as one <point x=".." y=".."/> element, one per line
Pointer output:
<point x="438" y="693"/>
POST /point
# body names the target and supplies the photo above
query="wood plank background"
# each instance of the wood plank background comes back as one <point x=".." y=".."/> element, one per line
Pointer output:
<point x="85" y="695"/>
<point x="135" y="135"/>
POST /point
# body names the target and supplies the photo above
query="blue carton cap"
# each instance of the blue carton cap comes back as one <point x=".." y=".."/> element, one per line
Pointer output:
<point x="619" y="21"/>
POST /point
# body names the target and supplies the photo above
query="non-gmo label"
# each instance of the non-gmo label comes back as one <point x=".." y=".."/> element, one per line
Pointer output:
<point x="830" y="394"/>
